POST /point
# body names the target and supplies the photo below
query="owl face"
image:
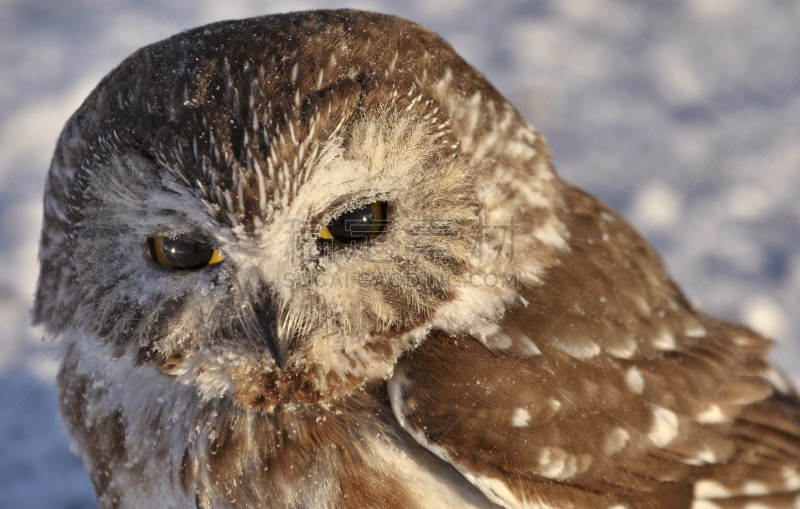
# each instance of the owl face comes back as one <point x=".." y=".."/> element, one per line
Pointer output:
<point x="280" y="224"/>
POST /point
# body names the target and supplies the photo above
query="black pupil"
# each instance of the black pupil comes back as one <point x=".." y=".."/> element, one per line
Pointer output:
<point x="356" y="225"/>
<point x="184" y="254"/>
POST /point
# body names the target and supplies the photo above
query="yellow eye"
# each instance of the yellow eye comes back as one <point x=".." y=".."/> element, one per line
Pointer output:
<point x="182" y="253"/>
<point x="357" y="225"/>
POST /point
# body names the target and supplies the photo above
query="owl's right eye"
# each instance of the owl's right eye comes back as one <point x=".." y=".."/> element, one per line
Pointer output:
<point x="182" y="253"/>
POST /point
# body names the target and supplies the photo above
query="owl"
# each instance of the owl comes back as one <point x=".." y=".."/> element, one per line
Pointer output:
<point x="315" y="260"/>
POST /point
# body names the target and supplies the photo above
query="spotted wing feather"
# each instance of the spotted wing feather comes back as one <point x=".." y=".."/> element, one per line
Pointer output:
<point x="604" y="388"/>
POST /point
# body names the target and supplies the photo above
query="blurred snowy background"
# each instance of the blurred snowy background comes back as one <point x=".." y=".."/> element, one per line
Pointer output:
<point x="684" y="115"/>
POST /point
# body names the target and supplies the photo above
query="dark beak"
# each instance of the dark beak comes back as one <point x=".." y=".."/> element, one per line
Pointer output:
<point x="268" y="322"/>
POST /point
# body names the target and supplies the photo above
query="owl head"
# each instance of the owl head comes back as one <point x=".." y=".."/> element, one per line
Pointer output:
<point x="276" y="209"/>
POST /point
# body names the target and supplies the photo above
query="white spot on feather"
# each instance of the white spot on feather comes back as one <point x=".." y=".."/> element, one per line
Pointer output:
<point x="521" y="418"/>
<point x="664" y="341"/>
<point x="712" y="414"/>
<point x="558" y="464"/>
<point x="755" y="488"/>
<point x="697" y="331"/>
<point x="615" y="441"/>
<point x="779" y="381"/>
<point x="499" y="341"/>
<point x="491" y="336"/>
<point x="709" y="488"/>
<point x="704" y="456"/>
<point x="665" y="427"/>
<point x="623" y="348"/>
<point x="579" y="348"/>
<point x="634" y="380"/>
<point x="527" y="347"/>
<point x="790" y="477"/>
<point x="550" y="236"/>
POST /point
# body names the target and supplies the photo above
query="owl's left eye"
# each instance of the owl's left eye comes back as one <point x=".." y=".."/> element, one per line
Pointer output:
<point x="182" y="253"/>
<point x="357" y="225"/>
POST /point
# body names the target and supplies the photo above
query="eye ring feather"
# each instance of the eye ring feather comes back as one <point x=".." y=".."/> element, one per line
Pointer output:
<point x="182" y="253"/>
<point x="357" y="225"/>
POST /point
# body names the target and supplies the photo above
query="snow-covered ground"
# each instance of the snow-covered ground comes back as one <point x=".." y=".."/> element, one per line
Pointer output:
<point x="682" y="114"/>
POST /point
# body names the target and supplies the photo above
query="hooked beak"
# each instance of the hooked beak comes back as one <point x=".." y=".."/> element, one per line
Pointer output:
<point x="268" y="322"/>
